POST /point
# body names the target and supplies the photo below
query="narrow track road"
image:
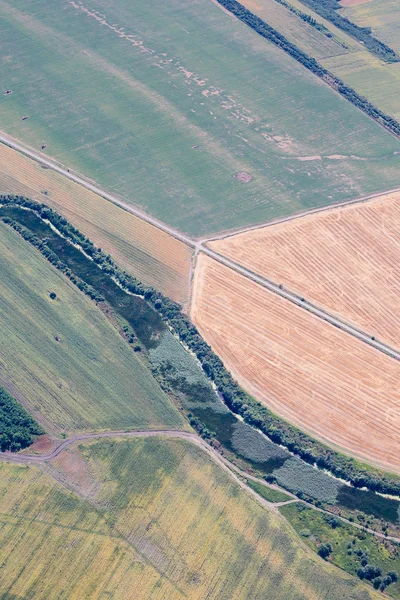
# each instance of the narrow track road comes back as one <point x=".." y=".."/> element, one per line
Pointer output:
<point x="200" y="247"/>
<point x="302" y="303"/>
<point x="234" y="472"/>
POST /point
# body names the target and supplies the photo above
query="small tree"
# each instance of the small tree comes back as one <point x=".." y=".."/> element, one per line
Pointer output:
<point x="324" y="550"/>
<point x="53" y="295"/>
<point x="393" y="576"/>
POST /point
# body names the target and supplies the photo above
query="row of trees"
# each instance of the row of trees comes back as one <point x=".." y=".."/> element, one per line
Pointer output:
<point x="17" y="428"/>
<point x="328" y="10"/>
<point x="240" y="403"/>
<point x="311" y="64"/>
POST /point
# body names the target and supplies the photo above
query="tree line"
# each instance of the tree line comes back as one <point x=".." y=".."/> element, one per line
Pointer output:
<point x="328" y="10"/>
<point x="17" y="428"/>
<point x="239" y="401"/>
<point x="269" y="33"/>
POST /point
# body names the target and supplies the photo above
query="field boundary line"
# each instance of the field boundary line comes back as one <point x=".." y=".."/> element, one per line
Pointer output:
<point x="80" y="180"/>
<point x="235" y="472"/>
<point x="11" y="142"/>
<point x="300" y="215"/>
<point x="199" y="247"/>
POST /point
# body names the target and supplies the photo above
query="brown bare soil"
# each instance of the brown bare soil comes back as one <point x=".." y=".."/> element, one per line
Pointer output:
<point x="243" y="177"/>
<point x="151" y="255"/>
<point x="325" y="381"/>
<point x="43" y="444"/>
<point x="346" y="260"/>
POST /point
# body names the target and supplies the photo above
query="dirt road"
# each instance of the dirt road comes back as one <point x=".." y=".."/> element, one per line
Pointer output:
<point x="200" y="247"/>
<point x="234" y="472"/>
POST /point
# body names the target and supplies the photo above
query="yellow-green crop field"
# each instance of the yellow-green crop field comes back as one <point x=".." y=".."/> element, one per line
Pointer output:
<point x="185" y="111"/>
<point x="341" y="54"/>
<point x="62" y="358"/>
<point x="160" y="521"/>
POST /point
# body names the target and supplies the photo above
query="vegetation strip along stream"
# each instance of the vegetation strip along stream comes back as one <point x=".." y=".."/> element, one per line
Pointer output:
<point x="149" y="319"/>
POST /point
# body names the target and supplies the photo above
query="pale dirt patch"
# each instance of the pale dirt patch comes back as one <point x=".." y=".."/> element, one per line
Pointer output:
<point x="328" y="383"/>
<point x="73" y="470"/>
<point x="307" y="158"/>
<point x="243" y="177"/>
<point x="43" y="444"/>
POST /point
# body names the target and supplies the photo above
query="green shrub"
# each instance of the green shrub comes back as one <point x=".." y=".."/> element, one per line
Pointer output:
<point x="17" y="428"/>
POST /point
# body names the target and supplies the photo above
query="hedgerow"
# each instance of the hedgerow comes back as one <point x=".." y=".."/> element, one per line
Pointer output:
<point x="271" y="34"/>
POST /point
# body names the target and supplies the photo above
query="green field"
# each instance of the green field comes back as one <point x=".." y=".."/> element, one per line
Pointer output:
<point x="341" y="54"/>
<point x="349" y="545"/>
<point x="62" y="358"/>
<point x="165" y="102"/>
<point x="383" y="16"/>
<point x="154" y="520"/>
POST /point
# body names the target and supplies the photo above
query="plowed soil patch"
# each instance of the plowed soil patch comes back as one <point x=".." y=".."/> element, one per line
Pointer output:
<point x="346" y="260"/>
<point x="328" y="383"/>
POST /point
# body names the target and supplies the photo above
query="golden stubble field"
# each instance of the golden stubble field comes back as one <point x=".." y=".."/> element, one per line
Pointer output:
<point x="346" y="260"/>
<point x="144" y="251"/>
<point x="160" y="522"/>
<point x="328" y="383"/>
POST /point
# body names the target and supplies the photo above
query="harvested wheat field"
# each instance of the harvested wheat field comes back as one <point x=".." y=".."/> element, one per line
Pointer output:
<point x="149" y="254"/>
<point x="346" y="260"/>
<point x="328" y="383"/>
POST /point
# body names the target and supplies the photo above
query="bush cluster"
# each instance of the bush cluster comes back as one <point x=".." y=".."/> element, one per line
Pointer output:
<point x="306" y="18"/>
<point x="17" y="427"/>
<point x="328" y="10"/>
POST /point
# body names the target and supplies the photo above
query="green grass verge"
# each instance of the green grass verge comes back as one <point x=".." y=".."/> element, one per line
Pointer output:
<point x="268" y="493"/>
<point x="168" y="111"/>
<point x="350" y="546"/>
<point x="62" y="358"/>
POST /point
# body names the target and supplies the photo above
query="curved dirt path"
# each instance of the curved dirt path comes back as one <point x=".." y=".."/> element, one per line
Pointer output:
<point x="234" y="472"/>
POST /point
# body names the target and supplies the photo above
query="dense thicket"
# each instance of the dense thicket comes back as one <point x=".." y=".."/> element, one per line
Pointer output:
<point x="252" y="411"/>
<point x="328" y="10"/>
<point x="269" y="33"/>
<point x="17" y="428"/>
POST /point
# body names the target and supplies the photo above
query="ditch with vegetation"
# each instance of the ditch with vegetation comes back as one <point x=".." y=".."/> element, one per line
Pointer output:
<point x="188" y="370"/>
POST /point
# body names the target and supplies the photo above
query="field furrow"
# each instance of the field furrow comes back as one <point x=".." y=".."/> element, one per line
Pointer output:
<point x="346" y="260"/>
<point x="323" y="380"/>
